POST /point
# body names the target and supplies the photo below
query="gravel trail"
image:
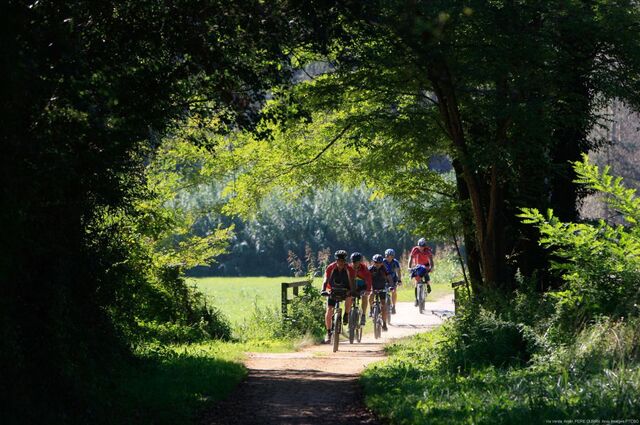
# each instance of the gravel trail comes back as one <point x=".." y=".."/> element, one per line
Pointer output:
<point x="316" y="386"/>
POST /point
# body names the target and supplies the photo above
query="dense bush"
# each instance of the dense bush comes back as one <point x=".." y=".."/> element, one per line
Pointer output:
<point x="305" y="319"/>
<point x="211" y="325"/>
<point x="600" y="263"/>
<point x="553" y="387"/>
<point x="306" y="314"/>
<point x="480" y="337"/>
<point x="531" y="356"/>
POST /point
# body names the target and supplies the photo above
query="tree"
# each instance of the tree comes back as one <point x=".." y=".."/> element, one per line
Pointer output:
<point x="509" y="90"/>
<point x="89" y="89"/>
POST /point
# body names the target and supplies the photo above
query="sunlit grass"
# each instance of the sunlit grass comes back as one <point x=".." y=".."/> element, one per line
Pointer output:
<point x="237" y="297"/>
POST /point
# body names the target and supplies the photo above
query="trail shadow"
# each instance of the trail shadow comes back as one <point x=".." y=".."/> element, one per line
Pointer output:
<point x="443" y="314"/>
<point x="293" y="397"/>
<point x="168" y="389"/>
<point x="408" y="326"/>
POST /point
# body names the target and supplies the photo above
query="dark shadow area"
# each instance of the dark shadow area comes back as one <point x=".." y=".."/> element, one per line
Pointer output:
<point x="168" y="390"/>
<point x="293" y="398"/>
<point x="407" y="326"/>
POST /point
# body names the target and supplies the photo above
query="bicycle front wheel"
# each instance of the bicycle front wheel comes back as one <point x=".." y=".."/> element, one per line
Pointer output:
<point x="421" y="296"/>
<point x="353" y="321"/>
<point x="377" y="323"/>
<point x="337" y="328"/>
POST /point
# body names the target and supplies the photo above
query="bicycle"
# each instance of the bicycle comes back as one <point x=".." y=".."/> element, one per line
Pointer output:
<point x="339" y="295"/>
<point x="355" y="328"/>
<point x="378" y="320"/>
<point x="389" y="302"/>
<point x="423" y="288"/>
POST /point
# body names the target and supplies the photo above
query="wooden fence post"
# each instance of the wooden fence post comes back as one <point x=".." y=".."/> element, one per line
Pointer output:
<point x="283" y="298"/>
<point x="456" y="286"/>
<point x="283" y="293"/>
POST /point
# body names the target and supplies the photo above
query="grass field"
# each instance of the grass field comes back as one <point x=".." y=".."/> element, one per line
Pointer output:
<point x="237" y="296"/>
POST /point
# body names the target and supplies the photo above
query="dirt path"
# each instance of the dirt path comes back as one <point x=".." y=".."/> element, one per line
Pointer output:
<point x="316" y="386"/>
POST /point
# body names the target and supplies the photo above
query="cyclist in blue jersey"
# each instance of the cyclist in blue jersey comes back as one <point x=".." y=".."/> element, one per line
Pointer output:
<point x="393" y="268"/>
<point x="380" y="279"/>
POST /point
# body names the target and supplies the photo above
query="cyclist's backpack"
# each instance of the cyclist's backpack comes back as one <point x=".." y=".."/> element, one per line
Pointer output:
<point x="419" y="271"/>
<point x="339" y="279"/>
<point x="378" y="277"/>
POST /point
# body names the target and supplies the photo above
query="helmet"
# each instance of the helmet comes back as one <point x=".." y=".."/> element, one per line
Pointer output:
<point x="356" y="256"/>
<point x="340" y="254"/>
<point x="422" y="242"/>
<point x="377" y="258"/>
<point x="389" y="252"/>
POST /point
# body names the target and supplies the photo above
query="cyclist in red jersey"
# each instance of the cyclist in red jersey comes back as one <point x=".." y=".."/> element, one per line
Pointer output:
<point x="339" y="274"/>
<point x="363" y="282"/>
<point x="421" y="254"/>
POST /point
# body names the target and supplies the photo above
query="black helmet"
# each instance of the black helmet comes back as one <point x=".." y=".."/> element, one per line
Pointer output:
<point x="340" y="254"/>
<point x="377" y="258"/>
<point x="356" y="256"/>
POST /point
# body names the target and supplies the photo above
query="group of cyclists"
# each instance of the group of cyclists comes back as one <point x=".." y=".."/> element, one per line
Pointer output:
<point x="360" y="280"/>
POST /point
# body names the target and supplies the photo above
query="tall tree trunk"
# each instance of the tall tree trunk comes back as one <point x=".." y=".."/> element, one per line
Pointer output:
<point x="486" y="217"/>
<point x="471" y="247"/>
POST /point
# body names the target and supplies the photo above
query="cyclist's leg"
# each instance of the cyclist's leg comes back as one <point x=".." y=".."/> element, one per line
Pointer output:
<point x="365" y="298"/>
<point x="347" y="305"/>
<point x="383" y="307"/>
<point x="347" y="309"/>
<point x="329" y="315"/>
<point x="394" y="298"/>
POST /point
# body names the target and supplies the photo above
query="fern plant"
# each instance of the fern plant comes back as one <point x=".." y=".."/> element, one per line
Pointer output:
<point x="599" y="262"/>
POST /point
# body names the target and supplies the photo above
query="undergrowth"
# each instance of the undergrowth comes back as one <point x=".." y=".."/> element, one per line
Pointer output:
<point x="568" y="356"/>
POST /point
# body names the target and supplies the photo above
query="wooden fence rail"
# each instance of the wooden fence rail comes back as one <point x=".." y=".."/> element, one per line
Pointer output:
<point x="284" y="297"/>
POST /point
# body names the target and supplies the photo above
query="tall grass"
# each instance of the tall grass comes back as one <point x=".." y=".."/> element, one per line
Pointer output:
<point x="597" y="377"/>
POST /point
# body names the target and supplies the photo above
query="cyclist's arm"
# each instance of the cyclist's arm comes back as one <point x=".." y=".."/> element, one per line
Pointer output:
<point x="352" y="278"/>
<point x="389" y="277"/>
<point x="397" y="271"/>
<point x="327" y="275"/>
<point x="411" y="256"/>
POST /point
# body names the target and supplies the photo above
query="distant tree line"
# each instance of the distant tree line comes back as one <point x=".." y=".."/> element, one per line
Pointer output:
<point x="317" y="225"/>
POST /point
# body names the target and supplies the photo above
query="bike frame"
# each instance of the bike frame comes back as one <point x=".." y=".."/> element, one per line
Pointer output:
<point x="422" y="294"/>
<point x="355" y="329"/>
<point x="376" y="306"/>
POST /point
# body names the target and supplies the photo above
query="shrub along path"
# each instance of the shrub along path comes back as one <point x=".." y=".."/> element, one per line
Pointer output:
<point x="315" y="385"/>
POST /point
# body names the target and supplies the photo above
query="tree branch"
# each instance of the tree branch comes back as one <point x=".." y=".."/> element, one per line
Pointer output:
<point x="315" y="158"/>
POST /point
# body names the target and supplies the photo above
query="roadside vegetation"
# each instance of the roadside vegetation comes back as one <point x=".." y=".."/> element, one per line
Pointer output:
<point x="143" y="141"/>
<point x="180" y="369"/>
<point x="570" y="353"/>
